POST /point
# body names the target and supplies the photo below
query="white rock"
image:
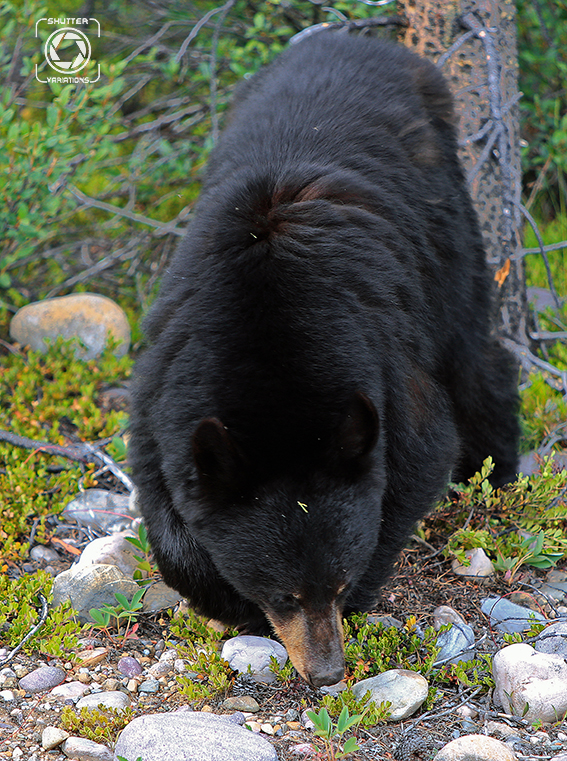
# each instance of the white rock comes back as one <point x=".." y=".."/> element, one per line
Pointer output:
<point x="72" y="690"/>
<point x="530" y="684"/>
<point x="254" y="652"/>
<point x="480" y="564"/>
<point x="111" y="550"/>
<point x="405" y="690"/>
<point x="51" y="737"/>
<point x="86" y="750"/>
<point x="112" y="699"/>
<point x="475" y="748"/>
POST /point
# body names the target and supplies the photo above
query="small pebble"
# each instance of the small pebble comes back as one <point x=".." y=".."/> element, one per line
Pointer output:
<point x="129" y="666"/>
<point x="267" y="729"/>
<point x="244" y="703"/>
<point x="149" y="686"/>
<point x="254" y="726"/>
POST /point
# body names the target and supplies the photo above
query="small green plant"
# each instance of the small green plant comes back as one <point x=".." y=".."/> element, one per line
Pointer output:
<point x="210" y="674"/>
<point x="373" y="648"/>
<point x="145" y="569"/>
<point x="20" y="611"/>
<point x="100" y="724"/>
<point x="284" y="674"/>
<point x="371" y="713"/>
<point x="327" y="731"/>
<point x="124" y="610"/>
<point x="524" y="523"/>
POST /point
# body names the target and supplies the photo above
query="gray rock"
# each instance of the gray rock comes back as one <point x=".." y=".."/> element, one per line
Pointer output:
<point x="556" y="590"/>
<point x="85" y="316"/>
<point x="475" y="748"/>
<point x="254" y="652"/>
<point x="553" y="639"/>
<point x="101" y="510"/>
<point x="386" y="621"/>
<point x="182" y="736"/>
<point x="86" y="750"/>
<point x="113" y="699"/>
<point x="480" y="564"/>
<point x="159" y="597"/>
<point x="453" y="643"/>
<point x="161" y="668"/>
<point x="530" y="684"/>
<point x="245" y="703"/>
<point x="43" y="678"/>
<point x="444" y="615"/>
<point x="508" y="617"/>
<point x="149" y="686"/>
<point x="91" y="586"/>
<point x="51" y="737"/>
<point x="405" y="690"/>
<point x="43" y="554"/>
<point x="129" y="666"/>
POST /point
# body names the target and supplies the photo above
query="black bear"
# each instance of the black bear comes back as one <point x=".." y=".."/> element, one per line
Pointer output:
<point x="321" y="359"/>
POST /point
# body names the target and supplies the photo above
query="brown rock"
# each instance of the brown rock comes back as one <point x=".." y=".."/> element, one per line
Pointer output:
<point x="86" y="316"/>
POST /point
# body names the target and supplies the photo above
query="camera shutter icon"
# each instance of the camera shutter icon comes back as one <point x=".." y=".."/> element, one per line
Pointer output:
<point x="67" y="50"/>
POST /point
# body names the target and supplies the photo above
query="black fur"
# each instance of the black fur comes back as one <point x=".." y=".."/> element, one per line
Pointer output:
<point x="321" y="355"/>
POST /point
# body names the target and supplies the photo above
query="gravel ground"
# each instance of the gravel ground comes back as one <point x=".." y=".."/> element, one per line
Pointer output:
<point x="422" y="582"/>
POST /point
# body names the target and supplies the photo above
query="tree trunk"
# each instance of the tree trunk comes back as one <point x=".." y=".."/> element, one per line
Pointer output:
<point x="483" y="76"/>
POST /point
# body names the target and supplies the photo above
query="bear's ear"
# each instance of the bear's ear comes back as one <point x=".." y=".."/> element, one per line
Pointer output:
<point x="358" y="431"/>
<point x="220" y="463"/>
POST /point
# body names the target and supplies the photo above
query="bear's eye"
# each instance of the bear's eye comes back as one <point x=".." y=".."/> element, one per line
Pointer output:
<point x="286" y="601"/>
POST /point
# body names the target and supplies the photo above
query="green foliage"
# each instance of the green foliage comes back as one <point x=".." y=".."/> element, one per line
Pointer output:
<point x="20" y="610"/>
<point x="542" y="32"/>
<point x="524" y="523"/>
<point x="372" y="648"/>
<point x="284" y="674"/>
<point x="210" y="674"/>
<point x="370" y="713"/>
<point x="327" y="730"/>
<point x="125" y="610"/>
<point x="101" y="725"/>
<point x="473" y="673"/>
<point x="145" y="569"/>
<point x="41" y="150"/>
<point x="36" y="392"/>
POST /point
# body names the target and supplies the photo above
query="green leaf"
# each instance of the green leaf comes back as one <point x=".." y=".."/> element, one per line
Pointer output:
<point x="122" y="599"/>
<point x="349" y="747"/>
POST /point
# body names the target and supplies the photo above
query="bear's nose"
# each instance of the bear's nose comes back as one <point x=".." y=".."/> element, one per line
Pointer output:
<point x="327" y="676"/>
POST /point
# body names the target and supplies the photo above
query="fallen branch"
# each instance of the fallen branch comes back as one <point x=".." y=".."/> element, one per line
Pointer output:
<point x="82" y="452"/>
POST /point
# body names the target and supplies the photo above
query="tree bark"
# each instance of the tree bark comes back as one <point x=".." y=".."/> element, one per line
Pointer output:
<point x="483" y="76"/>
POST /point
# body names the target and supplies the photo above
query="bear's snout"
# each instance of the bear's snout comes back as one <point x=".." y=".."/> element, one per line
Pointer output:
<point x="314" y="641"/>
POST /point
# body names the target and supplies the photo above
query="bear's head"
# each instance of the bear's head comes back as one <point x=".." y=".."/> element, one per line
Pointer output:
<point x="295" y="542"/>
